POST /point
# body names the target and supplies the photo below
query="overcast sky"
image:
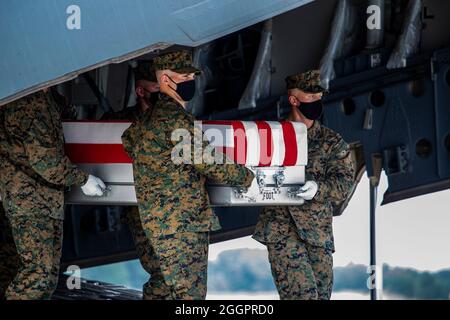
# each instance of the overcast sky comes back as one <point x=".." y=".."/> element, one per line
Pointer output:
<point x="412" y="233"/>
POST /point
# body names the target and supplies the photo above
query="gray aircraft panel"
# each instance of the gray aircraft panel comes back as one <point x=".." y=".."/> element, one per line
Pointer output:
<point x="39" y="49"/>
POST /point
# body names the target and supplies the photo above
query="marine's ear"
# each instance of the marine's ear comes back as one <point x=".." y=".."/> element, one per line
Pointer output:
<point x="293" y="101"/>
<point x="140" y="92"/>
<point x="164" y="78"/>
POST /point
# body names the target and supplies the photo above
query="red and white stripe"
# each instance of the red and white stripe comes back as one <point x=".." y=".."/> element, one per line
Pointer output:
<point x="95" y="142"/>
<point x="260" y="143"/>
<point x="252" y="143"/>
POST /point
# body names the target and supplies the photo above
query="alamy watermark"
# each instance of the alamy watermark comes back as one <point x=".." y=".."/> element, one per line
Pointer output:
<point x="210" y="147"/>
<point x="74" y="280"/>
<point x="73" y="21"/>
<point x="374" y="19"/>
<point x="374" y="281"/>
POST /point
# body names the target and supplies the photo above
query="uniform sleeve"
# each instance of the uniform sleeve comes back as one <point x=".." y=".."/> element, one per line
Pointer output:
<point x="225" y="172"/>
<point x="45" y="156"/>
<point x="129" y="141"/>
<point x="339" y="178"/>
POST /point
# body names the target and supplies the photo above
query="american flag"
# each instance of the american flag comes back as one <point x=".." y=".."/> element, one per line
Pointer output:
<point x="251" y="143"/>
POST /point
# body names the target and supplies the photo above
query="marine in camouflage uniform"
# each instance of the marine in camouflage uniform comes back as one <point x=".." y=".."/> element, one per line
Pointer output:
<point x="300" y="238"/>
<point x="172" y="198"/>
<point x="155" y="288"/>
<point x="144" y="75"/>
<point x="34" y="173"/>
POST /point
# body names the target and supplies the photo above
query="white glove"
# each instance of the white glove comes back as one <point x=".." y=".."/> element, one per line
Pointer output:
<point x="308" y="191"/>
<point x="93" y="187"/>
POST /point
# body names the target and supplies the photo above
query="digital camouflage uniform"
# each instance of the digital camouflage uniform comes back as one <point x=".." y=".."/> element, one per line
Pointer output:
<point x="300" y="238"/>
<point x="172" y="198"/>
<point x="155" y="288"/>
<point x="308" y="81"/>
<point x="34" y="173"/>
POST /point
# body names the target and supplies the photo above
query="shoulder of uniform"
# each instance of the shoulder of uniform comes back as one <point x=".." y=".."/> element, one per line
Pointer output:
<point x="329" y="132"/>
<point x="26" y="107"/>
<point x="171" y="110"/>
<point x="337" y="145"/>
<point x="332" y="135"/>
<point x="20" y="115"/>
<point x="166" y="106"/>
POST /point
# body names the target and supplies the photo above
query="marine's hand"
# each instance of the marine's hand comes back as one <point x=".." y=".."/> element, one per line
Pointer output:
<point x="94" y="187"/>
<point x="308" y="191"/>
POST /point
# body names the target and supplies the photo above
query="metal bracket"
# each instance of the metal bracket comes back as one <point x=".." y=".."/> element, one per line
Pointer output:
<point x="279" y="178"/>
<point x="260" y="176"/>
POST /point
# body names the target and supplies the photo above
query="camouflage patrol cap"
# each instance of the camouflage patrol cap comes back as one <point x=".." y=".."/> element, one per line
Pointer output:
<point x="178" y="61"/>
<point x="145" y="71"/>
<point x="308" y="81"/>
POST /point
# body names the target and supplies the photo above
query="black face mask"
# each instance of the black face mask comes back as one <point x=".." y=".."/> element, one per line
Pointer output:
<point x="312" y="110"/>
<point x="186" y="89"/>
<point x="152" y="97"/>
